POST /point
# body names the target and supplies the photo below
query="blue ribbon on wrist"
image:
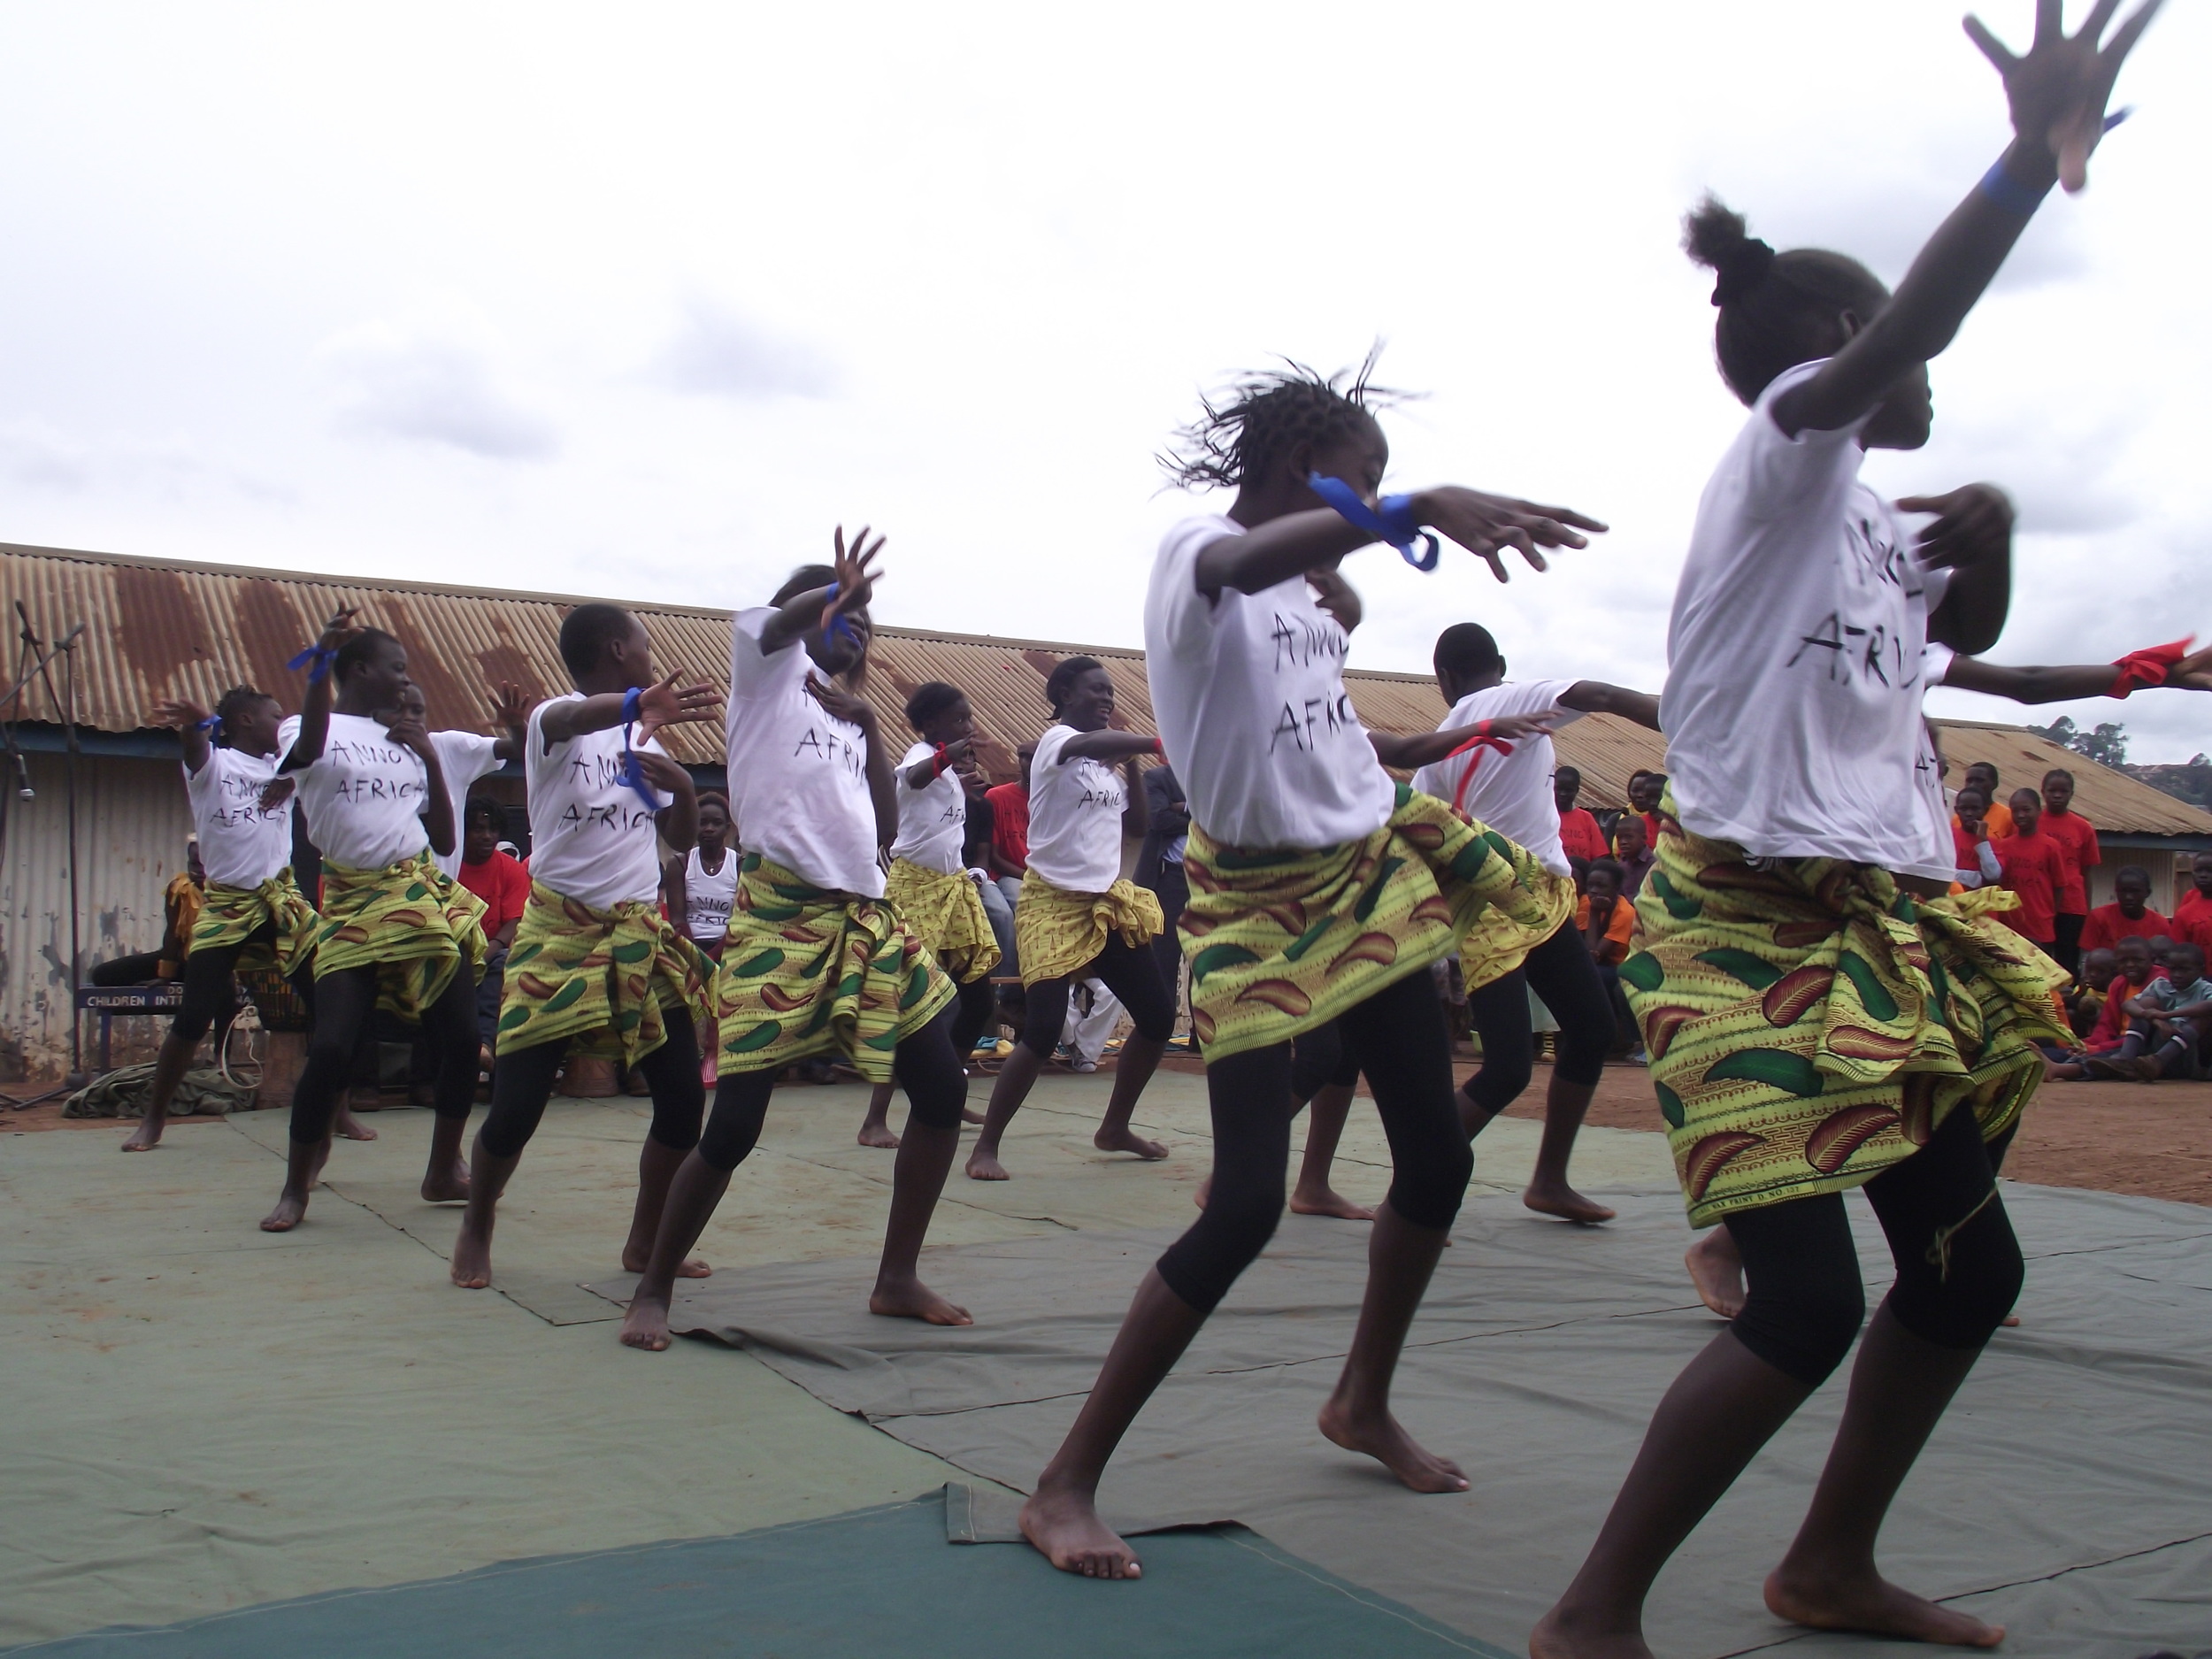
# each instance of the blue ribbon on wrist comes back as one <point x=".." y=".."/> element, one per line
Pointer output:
<point x="2009" y="193"/>
<point x="838" y="627"/>
<point x="1391" y="520"/>
<point x="317" y="660"/>
<point x="632" y="774"/>
<point x="212" y="726"/>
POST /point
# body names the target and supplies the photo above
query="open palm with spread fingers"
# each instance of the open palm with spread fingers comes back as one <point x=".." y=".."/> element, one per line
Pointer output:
<point x="1486" y="525"/>
<point x="670" y="704"/>
<point x="856" y="574"/>
<point x="179" y="711"/>
<point x="2058" y="89"/>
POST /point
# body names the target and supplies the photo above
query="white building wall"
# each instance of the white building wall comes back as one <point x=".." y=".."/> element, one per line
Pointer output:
<point x="132" y="823"/>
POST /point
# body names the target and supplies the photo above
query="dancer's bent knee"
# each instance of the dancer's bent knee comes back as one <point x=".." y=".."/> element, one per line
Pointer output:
<point x="1240" y="1217"/>
<point x="740" y="1107"/>
<point x="1429" y="1190"/>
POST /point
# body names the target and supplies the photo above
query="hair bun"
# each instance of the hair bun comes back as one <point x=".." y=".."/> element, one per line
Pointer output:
<point x="1716" y="236"/>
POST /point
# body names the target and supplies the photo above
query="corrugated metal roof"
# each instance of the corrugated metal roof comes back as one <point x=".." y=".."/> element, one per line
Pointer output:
<point x="157" y="628"/>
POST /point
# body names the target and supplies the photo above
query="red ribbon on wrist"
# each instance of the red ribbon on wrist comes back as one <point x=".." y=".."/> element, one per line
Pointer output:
<point x="937" y="763"/>
<point x="2146" y="667"/>
<point x="1472" y="749"/>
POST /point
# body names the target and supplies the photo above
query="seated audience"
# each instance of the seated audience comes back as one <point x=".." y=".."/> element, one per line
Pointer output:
<point x="2168" y="1020"/>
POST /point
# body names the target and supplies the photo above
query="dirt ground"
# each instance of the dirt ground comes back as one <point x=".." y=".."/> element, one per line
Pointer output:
<point x="2153" y="1140"/>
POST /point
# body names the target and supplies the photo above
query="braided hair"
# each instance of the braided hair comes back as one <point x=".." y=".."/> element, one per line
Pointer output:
<point x="1777" y="310"/>
<point x="1263" y="417"/>
<point x="1062" y="680"/>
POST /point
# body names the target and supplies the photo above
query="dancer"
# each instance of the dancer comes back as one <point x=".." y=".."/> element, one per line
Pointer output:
<point x="929" y="885"/>
<point x="700" y="886"/>
<point x="817" y="961"/>
<point x="396" y="932"/>
<point x="1320" y="890"/>
<point x="253" y="912"/>
<point x="1817" y="1017"/>
<point x="1513" y="792"/>
<point x="596" y="969"/>
<point x="1079" y="918"/>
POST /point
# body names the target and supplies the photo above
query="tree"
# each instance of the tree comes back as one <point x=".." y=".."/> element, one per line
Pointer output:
<point x="2107" y="745"/>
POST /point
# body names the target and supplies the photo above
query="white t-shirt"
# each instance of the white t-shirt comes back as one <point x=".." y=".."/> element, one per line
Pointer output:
<point x="464" y="758"/>
<point x="1792" y="706"/>
<point x="241" y="845"/>
<point x="798" y="777"/>
<point x="1248" y="690"/>
<point x="1074" y="817"/>
<point x="1510" y="794"/>
<point x="365" y="795"/>
<point x="933" y="821"/>
<point x="709" y="898"/>
<point x="591" y="837"/>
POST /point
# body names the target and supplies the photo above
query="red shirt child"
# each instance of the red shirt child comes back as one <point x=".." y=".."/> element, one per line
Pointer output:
<point x="503" y="884"/>
<point x="2034" y="867"/>
<point x="2193" y="916"/>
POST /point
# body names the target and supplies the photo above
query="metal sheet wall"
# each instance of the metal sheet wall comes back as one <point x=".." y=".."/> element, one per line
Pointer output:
<point x="132" y="823"/>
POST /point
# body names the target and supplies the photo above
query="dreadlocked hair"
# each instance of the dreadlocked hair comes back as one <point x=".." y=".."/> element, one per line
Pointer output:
<point x="1777" y="310"/>
<point x="1062" y="679"/>
<point x="1263" y="417"/>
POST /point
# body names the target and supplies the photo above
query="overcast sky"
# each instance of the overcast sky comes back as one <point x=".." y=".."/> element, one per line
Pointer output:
<point x="640" y="301"/>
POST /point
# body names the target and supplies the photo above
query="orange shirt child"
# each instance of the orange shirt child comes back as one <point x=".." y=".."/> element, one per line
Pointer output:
<point x="1618" y="927"/>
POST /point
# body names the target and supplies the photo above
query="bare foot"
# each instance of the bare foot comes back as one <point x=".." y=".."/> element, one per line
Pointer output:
<point x="645" y="1325"/>
<point x="694" y="1266"/>
<point x="1385" y="1440"/>
<point x="1125" y="1140"/>
<point x="874" y="1135"/>
<point x="1559" y="1634"/>
<point x="449" y="1187"/>
<point x="911" y="1299"/>
<point x="472" y="1263"/>
<point x="147" y="1136"/>
<point x="969" y="1115"/>
<point x="286" y="1215"/>
<point x="1066" y="1530"/>
<point x="1717" y="1271"/>
<point x="351" y="1128"/>
<point x="1870" y="1604"/>
<point x="985" y="1166"/>
<point x="1556" y="1198"/>
<point x="1328" y="1201"/>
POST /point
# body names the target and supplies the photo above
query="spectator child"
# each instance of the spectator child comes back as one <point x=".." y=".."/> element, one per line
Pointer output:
<point x="2167" y="1020"/>
<point x="1632" y="839"/>
<point x="2077" y="837"/>
<point x="2034" y="867"/>
<point x="1578" y="831"/>
<point x="2128" y="913"/>
<point x="1982" y="776"/>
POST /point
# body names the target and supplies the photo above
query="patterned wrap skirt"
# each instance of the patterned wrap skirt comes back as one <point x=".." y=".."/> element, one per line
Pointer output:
<point x="1057" y="933"/>
<point x="948" y="912"/>
<point x="232" y="916"/>
<point x="410" y="921"/>
<point x="599" y="978"/>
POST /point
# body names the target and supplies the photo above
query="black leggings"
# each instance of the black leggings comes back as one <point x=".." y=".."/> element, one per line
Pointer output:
<point x="1406" y="1053"/>
<point x="1320" y="1057"/>
<point x="924" y="1066"/>
<point x="1958" y="1263"/>
<point x="978" y="1004"/>
<point x="522" y="1082"/>
<point x="211" y="992"/>
<point x="345" y="1003"/>
<point x="1130" y="971"/>
<point x="1559" y="970"/>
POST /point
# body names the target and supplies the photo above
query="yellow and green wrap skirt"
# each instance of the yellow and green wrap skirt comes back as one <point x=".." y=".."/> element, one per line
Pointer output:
<point x="1809" y="1024"/>
<point x="1282" y="941"/>
<point x="948" y="912"/>
<point x="807" y="971"/>
<point x="410" y="921"/>
<point x="599" y="978"/>
<point x="1057" y="932"/>
<point x="232" y="916"/>
<point x="1499" y="939"/>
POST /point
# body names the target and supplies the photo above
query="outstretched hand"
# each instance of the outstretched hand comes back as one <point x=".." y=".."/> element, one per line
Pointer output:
<point x="1514" y="727"/>
<point x="670" y="704"/>
<point x="180" y="712"/>
<point x="1486" y="525"/>
<point x="510" y="705"/>
<point x="1973" y="524"/>
<point x="2057" y="91"/>
<point x="340" y="628"/>
<point x="856" y="578"/>
<point x="2193" y="673"/>
<point x="663" y="772"/>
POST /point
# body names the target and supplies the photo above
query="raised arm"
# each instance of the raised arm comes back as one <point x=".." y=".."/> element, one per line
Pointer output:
<point x="307" y="746"/>
<point x="2057" y="94"/>
<point x="1595" y="697"/>
<point x="2062" y="685"/>
<point x="192" y="724"/>
<point x="666" y="703"/>
<point x="817" y="609"/>
<point x="1425" y="748"/>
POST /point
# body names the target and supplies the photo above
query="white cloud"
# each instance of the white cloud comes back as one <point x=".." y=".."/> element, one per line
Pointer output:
<point x="395" y="382"/>
<point x="716" y="351"/>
